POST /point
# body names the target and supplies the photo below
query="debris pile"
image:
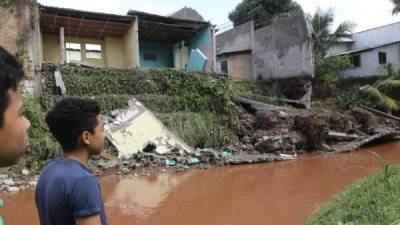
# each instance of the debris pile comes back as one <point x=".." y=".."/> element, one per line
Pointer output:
<point x="295" y="131"/>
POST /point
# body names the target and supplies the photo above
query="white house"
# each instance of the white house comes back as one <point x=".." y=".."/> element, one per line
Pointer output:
<point x="370" y="50"/>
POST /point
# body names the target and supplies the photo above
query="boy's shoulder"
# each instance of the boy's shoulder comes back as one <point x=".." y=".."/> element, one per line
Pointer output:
<point x="65" y="170"/>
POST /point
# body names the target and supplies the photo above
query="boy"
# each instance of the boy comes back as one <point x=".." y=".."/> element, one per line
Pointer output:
<point x="13" y="124"/>
<point x="67" y="194"/>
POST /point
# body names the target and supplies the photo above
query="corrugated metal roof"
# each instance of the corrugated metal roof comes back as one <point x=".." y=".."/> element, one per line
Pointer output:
<point x="89" y="14"/>
<point x="146" y="15"/>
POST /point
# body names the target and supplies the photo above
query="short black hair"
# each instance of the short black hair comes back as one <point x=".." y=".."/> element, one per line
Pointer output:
<point x="11" y="73"/>
<point x="69" y="118"/>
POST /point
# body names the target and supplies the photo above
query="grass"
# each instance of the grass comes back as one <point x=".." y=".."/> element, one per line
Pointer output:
<point x="239" y="87"/>
<point x="199" y="129"/>
<point x="370" y="201"/>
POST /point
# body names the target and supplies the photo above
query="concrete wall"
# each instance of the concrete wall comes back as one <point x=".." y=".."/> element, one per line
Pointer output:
<point x="115" y="53"/>
<point x="13" y="26"/>
<point x="284" y="49"/>
<point x="131" y="44"/>
<point x="203" y="41"/>
<point x="239" y="65"/>
<point x="20" y="33"/>
<point x="51" y="48"/>
<point x="370" y="62"/>
<point x="163" y="51"/>
<point x="235" y="40"/>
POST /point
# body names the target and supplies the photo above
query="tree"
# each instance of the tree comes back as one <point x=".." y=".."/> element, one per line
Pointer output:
<point x="323" y="38"/>
<point x="396" y="8"/>
<point x="261" y="10"/>
<point x="386" y="92"/>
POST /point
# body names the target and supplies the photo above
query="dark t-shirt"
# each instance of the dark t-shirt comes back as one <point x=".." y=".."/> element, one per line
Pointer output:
<point x="67" y="191"/>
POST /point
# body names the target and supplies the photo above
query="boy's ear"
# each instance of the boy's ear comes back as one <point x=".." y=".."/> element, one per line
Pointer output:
<point x="85" y="137"/>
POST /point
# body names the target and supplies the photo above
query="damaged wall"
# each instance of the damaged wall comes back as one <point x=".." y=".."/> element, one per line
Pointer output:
<point x="13" y="25"/>
<point x="284" y="49"/>
<point x="280" y="50"/>
<point x="115" y="52"/>
<point x="203" y="41"/>
<point x="235" y="40"/>
<point x="19" y="32"/>
<point x="239" y="65"/>
<point x="131" y="43"/>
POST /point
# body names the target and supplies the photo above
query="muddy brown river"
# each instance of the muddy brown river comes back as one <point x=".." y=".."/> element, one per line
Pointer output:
<point x="276" y="193"/>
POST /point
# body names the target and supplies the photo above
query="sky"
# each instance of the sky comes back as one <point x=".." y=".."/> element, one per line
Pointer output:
<point x="365" y="14"/>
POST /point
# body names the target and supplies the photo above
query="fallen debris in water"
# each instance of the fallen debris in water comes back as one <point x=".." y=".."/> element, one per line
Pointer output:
<point x="352" y="146"/>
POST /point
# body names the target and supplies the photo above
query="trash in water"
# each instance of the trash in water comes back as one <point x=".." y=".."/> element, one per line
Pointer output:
<point x="194" y="160"/>
<point x="226" y="154"/>
<point x="170" y="162"/>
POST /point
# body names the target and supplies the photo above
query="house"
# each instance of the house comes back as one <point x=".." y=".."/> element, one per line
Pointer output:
<point x="136" y="40"/>
<point x="278" y="50"/>
<point x="370" y="50"/>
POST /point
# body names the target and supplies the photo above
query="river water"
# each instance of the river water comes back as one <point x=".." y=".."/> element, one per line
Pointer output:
<point x="284" y="193"/>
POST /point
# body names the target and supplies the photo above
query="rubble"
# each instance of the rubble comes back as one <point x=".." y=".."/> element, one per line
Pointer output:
<point x="136" y="129"/>
<point x="15" y="183"/>
<point x="337" y="136"/>
<point x="365" y="118"/>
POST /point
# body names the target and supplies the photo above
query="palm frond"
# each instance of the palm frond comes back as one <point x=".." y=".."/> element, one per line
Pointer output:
<point x="390" y="103"/>
<point x="373" y="92"/>
<point x="388" y="84"/>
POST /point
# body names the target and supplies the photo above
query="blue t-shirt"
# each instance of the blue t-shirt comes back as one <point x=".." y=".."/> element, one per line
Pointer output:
<point x="67" y="191"/>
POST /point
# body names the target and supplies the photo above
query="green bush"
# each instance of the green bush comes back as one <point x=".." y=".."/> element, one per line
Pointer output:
<point x="194" y="91"/>
<point x="42" y="144"/>
<point x="328" y="69"/>
<point x="350" y="99"/>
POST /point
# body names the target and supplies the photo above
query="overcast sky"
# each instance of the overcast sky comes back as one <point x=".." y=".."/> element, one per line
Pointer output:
<point x="365" y="13"/>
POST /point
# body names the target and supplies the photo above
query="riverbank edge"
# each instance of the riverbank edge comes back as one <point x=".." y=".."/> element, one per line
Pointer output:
<point x="369" y="200"/>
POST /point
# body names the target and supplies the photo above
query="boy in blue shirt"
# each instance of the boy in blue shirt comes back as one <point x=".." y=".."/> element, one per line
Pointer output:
<point x="67" y="194"/>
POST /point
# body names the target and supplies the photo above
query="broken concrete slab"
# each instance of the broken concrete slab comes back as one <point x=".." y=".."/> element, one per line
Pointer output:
<point x="352" y="146"/>
<point x="59" y="82"/>
<point x="258" y="106"/>
<point x="134" y="129"/>
<point x="250" y="159"/>
<point x="338" y="136"/>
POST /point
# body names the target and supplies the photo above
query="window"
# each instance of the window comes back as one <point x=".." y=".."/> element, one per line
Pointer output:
<point x="224" y="67"/>
<point x="73" y="51"/>
<point x="93" y="51"/>
<point x="356" y="60"/>
<point x="382" y="57"/>
<point x="150" y="57"/>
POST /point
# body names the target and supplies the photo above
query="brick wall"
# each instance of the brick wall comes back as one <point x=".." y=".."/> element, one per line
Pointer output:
<point x="13" y="27"/>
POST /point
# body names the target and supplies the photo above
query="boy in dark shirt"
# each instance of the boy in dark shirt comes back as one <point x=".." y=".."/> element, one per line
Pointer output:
<point x="67" y="194"/>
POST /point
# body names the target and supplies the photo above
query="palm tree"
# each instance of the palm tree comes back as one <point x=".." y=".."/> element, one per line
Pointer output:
<point x="323" y="38"/>
<point x="396" y="8"/>
<point x="385" y="92"/>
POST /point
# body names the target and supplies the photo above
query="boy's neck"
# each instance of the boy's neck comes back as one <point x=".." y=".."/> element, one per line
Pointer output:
<point x="80" y="155"/>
